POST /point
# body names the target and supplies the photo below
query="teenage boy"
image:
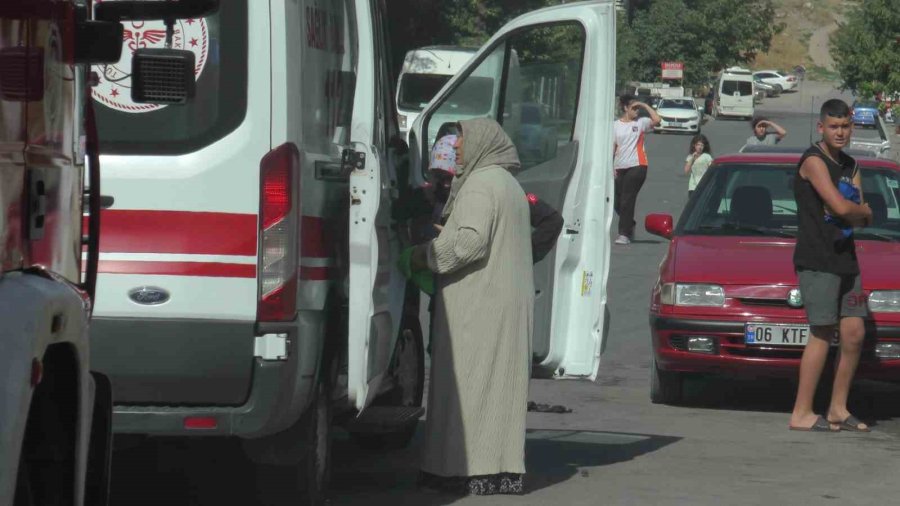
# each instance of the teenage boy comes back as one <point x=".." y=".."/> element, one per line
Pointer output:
<point x="630" y="161"/>
<point x="765" y="132"/>
<point x="825" y="261"/>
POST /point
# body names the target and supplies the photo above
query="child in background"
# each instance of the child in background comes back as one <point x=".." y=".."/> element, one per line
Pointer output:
<point x="698" y="160"/>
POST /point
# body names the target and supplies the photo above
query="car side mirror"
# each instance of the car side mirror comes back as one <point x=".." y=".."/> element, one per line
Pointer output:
<point x="659" y="224"/>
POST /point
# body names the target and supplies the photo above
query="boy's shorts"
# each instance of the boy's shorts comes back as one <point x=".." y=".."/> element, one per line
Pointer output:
<point x="829" y="297"/>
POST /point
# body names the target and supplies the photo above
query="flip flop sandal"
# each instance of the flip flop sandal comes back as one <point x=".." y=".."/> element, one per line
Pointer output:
<point x="820" y="425"/>
<point x="851" y="424"/>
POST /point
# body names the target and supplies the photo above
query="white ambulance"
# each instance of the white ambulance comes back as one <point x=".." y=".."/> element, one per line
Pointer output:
<point x="247" y="279"/>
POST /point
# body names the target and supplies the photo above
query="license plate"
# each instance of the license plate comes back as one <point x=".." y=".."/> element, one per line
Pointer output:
<point x="775" y="334"/>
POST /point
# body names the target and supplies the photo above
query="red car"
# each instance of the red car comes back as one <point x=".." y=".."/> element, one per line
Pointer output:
<point x="727" y="301"/>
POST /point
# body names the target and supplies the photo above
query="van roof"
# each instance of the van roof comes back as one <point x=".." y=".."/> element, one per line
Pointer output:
<point x="737" y="71"/>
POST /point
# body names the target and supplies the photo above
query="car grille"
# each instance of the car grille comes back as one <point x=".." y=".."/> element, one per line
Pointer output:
<point x="749" y="301"/>
<point x="675" y="120"/>
<point x="678" y="342"/>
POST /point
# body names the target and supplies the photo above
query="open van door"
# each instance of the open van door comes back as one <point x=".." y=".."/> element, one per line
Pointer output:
<point x="548" y="78"/>
<point x="377" y="288"/>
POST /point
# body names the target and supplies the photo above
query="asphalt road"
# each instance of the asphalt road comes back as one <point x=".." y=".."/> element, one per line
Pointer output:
<point x="728" y="445"/>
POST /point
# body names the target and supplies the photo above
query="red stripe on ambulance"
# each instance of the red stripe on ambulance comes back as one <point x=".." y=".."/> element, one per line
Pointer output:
<point x="200" y="269"/>
<point x="183" y="232"/>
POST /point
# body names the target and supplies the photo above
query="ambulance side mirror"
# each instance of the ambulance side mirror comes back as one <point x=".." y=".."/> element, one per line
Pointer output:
<point x="162" y="76"/>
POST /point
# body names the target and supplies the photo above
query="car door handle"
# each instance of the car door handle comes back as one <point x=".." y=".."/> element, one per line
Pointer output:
<point x="106" y="201"/>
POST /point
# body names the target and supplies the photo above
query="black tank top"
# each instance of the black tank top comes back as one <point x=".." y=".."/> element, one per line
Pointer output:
<point x="820" y="245"/>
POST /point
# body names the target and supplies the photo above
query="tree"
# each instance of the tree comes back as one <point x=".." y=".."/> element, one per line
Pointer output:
<point x="866" y="49"/>
<point x="706" y="35"/>
<point x="474" y="21"/>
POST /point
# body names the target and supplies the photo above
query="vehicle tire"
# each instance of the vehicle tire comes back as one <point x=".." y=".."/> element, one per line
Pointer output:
<point x="315" y="469"/>
<point x="100" y="447"/>
<point x="665" y="386"/>
<point x="408" y="368"/>
<point x="778" y="89"/>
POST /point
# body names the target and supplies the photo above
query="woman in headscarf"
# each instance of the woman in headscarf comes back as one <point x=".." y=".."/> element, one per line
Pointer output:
<point x="481" y="350"/>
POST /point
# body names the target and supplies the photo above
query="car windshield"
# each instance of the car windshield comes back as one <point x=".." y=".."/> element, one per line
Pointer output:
<point x="865" y="105"/>
<point x="677" y="104"/>
<point x="219" y="44"/>
<point x="416" y="90"/>
<point x="758" y="200"/>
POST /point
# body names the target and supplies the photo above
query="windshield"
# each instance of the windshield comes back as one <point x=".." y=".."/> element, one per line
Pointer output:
<point x="416" y="90"/>
<point x="758" y="200"/>
<point x="219" y="44"/>
<point x="677" y="104"/>
<point x="865" y="105"/>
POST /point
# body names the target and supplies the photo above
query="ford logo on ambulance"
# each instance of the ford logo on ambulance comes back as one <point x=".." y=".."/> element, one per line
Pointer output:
<point x="148" y="295"/>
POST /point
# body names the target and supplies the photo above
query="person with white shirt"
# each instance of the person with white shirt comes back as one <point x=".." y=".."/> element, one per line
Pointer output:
<point x="630" y="162"/>
<point x="698" y="160"/>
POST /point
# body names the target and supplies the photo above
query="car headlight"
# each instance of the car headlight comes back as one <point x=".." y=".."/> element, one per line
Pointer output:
<point x="884" y="301"/>
<point x="692" y="295"/>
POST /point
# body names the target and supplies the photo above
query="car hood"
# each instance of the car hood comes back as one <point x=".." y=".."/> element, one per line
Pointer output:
<point x="769" y="261"/>
<point x="677" y="113"/>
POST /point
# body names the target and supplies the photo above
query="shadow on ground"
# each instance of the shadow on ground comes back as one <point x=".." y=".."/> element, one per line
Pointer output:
<point x="189" y="472"/>
<point x="872" y="401"/>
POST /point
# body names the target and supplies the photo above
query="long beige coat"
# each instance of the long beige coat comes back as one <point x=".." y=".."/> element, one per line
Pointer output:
<point x="481" y="348"/>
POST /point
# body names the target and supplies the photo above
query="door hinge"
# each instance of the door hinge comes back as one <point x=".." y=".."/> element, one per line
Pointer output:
<point x="271" y="347"/>
<point x="352" y="160"/>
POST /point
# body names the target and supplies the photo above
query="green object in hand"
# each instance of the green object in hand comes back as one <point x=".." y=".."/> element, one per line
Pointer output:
<point x="423" y="278"/>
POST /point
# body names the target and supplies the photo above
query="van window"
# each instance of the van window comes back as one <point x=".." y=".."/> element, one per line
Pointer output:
<point x="541" y="92"/>
<point x="219" y="43"/>
<point x="742" y="88"/>
<point x="416" y="90"/>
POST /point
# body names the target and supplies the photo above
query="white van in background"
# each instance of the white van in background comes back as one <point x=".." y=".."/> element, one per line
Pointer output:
<point x="734" y="94"/>
<point x="425" y="71"/>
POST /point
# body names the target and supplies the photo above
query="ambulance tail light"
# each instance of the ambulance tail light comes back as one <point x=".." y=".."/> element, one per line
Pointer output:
<point x="278" y="234"/>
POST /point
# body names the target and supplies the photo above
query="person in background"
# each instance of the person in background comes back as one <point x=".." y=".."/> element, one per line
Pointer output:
<point x="698" y="160"/>
<point x="765" y="133"/>
<point x="474" y="441"/>
<point x="630" y="162"/>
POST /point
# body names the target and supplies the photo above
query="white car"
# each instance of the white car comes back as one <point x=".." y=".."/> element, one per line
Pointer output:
<point x="678" y="115"/>
<point x="776" y="78"/>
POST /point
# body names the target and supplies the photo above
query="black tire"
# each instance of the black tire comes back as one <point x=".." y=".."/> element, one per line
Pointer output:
<point x="665" y="386"/>
<point x="100" y="449"/>
<point x="778" y="89"/>
<point x="408" y="369"/>
<point x="315" y="469"/>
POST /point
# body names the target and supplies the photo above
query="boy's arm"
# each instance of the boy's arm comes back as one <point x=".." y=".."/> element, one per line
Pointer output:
<point x="779" y="130"/>
<point x="857" y="182"/>
<point x="815" y="171"/>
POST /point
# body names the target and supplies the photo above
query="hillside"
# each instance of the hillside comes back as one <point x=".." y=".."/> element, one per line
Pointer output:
<point x="808" y="25"/>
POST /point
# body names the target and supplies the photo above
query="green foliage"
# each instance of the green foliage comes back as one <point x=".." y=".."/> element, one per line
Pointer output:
<point x="473" y="21"/>
<point x="866" y="49"/>
<point x="707" y="35"/>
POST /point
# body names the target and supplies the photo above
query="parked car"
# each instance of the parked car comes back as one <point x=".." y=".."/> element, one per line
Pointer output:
<point x="727" y="298"/>
<point x="778" y="79"/>
<point x="678" y="115"/>
<point x="771" y="90"/>
<point x="865" y="112"/>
